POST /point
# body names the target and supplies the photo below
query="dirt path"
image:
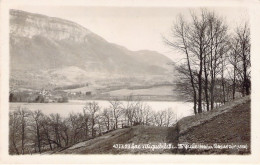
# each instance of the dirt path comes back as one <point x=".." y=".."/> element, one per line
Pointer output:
<point x="135" y="135"/>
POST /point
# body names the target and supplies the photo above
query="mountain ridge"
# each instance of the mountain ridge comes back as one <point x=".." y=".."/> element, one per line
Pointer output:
<point x="41" y="43"/>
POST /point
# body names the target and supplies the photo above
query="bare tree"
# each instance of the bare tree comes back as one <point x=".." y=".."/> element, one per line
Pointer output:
<point x="65" y="132"/>
<point x="180" y="33"/>
<point x="129" y="110"/>
<point x="204" y="42"/>
<point x="146" y="115"/>
<point x="47" y="132"/>
<point x="56" y="121"/>
<point x="92" y="108"/>
<point x="107" y="116"/>
<point x="116" y="107"/>
<point x="170" y="117"/>
<point x="36" y="127"/>
<point x="23" y="116"/>
<point x="233" y="60"/>
<point x="243" y="37"/>
<point x="14" y="132"/>
<point x="191" y="39"/>
<point x="75" y="126"/>
<point x="85" y="122"/>
<point x="45" y="124"/>
<point x="138" y="115"/>
<point x="159" y="118"/>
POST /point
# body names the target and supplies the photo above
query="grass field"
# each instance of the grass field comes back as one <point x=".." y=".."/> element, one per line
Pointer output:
<point x="153" y="91"/>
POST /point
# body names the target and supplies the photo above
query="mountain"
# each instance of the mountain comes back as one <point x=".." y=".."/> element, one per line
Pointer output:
<point x="47" y="50"/>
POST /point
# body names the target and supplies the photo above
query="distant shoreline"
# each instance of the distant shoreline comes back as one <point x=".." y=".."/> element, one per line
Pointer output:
<point x="161" y="99"/>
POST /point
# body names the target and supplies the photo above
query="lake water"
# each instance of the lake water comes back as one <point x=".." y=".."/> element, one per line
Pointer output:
<point x="182" y="109"/>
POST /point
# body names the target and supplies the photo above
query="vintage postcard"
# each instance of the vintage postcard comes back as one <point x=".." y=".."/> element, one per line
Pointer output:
<point x="129" y="81"/>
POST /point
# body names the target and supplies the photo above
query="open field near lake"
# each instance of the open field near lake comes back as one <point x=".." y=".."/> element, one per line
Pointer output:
<point x="160" y="90"/>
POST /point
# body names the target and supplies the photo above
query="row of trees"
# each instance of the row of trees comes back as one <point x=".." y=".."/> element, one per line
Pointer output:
<point x="35" y="132"/>
<point x="216" y="63"/>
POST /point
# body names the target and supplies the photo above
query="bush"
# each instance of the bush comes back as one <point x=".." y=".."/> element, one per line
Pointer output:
<point x="63" y="99"/>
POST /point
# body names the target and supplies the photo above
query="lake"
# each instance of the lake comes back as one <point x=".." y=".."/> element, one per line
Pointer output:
<point x="182" y="109"/>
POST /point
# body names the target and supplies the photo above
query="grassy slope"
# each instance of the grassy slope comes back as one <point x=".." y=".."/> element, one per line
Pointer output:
<point x="231" y="127"/>
<point x="137" y="134"/>
<point x="225" y="125"/>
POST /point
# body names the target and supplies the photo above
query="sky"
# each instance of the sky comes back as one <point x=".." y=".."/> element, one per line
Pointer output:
<point x="136" y="28"/>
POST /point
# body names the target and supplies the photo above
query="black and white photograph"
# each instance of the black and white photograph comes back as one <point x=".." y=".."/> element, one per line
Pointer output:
<point x="129" y="80"/>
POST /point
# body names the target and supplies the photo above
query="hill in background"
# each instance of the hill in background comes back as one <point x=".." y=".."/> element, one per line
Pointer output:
<point x="49" y="52"/>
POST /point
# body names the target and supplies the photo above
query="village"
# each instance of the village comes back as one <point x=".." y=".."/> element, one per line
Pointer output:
<point x="46" y="96"/>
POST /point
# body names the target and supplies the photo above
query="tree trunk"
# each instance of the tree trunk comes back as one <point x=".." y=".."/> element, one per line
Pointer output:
<point x="206" y="85"/>
<point x="223" y="84"/>
<point x="195" y="102"/>
<point x="38" y="137"/>
<point x="92" y="127"/>
<point x="234" y="82"/>
<point x="191" y="76"/>
<point x="200" y="86"/>
<point x="14" y="144"/>
<point x="23" y="134"/>
<point x="212" y="97"/>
